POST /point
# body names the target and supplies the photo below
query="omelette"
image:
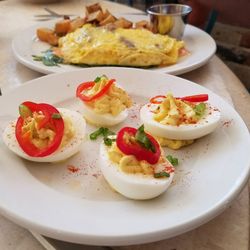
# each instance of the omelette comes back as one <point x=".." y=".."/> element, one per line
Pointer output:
<point x="92" y="45"/>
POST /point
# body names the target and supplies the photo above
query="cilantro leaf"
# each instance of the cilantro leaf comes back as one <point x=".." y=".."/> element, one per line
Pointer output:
<point x="200" y="109"/>
<point x="48" y="58"/>
<point x="142" y="138"/>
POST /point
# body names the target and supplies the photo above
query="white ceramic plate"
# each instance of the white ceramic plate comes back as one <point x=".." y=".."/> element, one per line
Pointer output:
<point x="81" y="207"/>
<point x="200" y="44"/>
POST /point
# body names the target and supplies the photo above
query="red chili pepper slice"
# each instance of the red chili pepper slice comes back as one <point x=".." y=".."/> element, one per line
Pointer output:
<point x="157" y="99"/>
<point x="57" y="125"/>
<point x="35" y="108"/>
<point x="88" y="85"/>
<point x="134" y="148"/>
<point x="194" y="98"/>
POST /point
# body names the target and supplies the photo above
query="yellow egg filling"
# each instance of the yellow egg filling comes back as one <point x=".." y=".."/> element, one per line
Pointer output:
<point x="41" y="138"/>
<point x="173" y="144"/>
<point x="113" y="102"/>
<point x="129" y="164"/>
<point x="175" y="112"/>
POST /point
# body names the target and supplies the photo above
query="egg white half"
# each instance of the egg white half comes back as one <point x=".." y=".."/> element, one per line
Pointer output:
<point x="206" y="125"/>
<point x="102" y="119"/>
<point x="62" y="153"/>
<point x="133" y="186"/>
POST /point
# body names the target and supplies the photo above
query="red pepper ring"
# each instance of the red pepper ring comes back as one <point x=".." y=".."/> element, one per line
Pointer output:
<point x="84" y="86"/>
<point x="57" y="125"/>
<point x="192" y="98"/>
<point x="157" y="99"/>
<point x="34" y="107"/>
<point x="88" y="85"/>
<point x="136" y="149"/>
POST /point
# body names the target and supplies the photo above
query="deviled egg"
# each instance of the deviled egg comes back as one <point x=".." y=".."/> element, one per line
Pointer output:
<point x="43" y="133"/>
<point x="103" y="102"/>
<point x="179" y="119"/>
<point x="135" y="165"/>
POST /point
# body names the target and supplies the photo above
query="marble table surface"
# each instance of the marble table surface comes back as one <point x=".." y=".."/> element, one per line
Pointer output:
<point x="229" y="230"/>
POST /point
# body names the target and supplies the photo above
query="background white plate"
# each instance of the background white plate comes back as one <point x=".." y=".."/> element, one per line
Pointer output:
<point x="199" y="43"/>
<point x="81" y="207"/>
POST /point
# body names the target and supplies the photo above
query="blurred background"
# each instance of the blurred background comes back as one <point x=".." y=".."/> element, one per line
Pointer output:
<point x="227" y="21"/>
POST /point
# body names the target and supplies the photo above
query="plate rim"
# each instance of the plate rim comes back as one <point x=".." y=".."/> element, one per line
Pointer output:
<point x="218" y="208"/>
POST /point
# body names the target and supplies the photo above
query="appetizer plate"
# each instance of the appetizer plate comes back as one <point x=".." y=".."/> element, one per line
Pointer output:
<point x="71" y="201"/>
<point x="200" y="45"/>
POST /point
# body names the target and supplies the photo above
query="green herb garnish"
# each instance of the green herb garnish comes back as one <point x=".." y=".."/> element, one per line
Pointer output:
<point x="48" y="58"/>
<point x="56" y="116"/>
<point x="108" y="141"/>
<point x="98" y="78"/>
<point x="24" y="111"/>
<point x="161" y="174"/>
<point x="105" y="132"/>
<point x="200" y="109"/>
<point x="101" y="132"/>
<point x="142" y="138"/>
<point x="174" y="161"/>
<point x="96" y="134"/>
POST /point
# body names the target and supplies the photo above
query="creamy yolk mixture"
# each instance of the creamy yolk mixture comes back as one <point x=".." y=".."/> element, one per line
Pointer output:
<point x="129" y="164"/>
<point x="175" y="112"/>
<point x="173" y="144"/>
<point x="41" y="138"/>
<point x="113" y="102"/>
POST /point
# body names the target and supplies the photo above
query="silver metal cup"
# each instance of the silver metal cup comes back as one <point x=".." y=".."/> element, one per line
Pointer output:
<point x="169" y="19"/>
